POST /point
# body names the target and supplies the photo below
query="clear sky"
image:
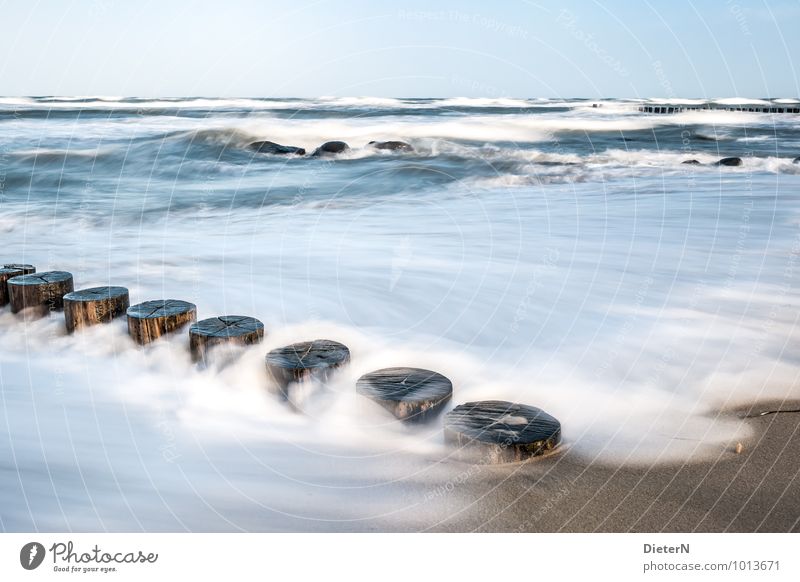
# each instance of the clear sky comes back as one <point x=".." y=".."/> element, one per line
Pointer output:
<point x="402" y="48"/>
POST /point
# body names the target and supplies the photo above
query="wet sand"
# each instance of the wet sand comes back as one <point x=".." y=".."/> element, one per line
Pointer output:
<point x="757" y="490"/>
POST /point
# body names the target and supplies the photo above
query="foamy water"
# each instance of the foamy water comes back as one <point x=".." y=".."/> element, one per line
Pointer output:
<point x="545" y="252"/>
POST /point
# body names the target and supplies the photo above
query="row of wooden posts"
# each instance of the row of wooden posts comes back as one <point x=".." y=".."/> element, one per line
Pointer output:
<point x="487" y="431"/>
<point x="663" y="108"/>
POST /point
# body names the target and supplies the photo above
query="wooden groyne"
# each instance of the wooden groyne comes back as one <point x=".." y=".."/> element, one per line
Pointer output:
<point x="226" y="330"/>
<point x="6" y="273"/>
<point x="150" y="320"/>
<point x="495" y="431"/>
<point x="408" y="394"/>
<point x="94" y="306"/>
<point x="667" y="108"/>
<point x="38" y="294"/>
<point x="297" y="363"/>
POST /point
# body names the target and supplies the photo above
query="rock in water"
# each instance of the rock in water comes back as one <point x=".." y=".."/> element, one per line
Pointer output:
<point x="410" y="394"/>
<point x="270" y="147"/>
<point x="39" y="294"/>
<point x="796" y="160"/>
<point x="93" y="306"/>
<point x="231" y="330"/>
<point x="730" y="162"/>
<point x="331" y="148"/>
<point x="150" y="320"/>
<point x="8" y="271"/>
<point x="494" y="431"/>
<point x="691" y="162"/>
<point x="392" y="145"/>
<point x="303" y="361"/>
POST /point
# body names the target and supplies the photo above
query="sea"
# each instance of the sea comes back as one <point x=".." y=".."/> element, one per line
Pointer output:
<point x="552" y="252"/>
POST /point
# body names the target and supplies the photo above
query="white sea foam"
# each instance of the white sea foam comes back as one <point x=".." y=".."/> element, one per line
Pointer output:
<point x="740" y="101"/>
<point x="513" y="128"/>
<point x="489" y="102"/>
<point x="547" y="262"/>
<point x="605" y="105"/>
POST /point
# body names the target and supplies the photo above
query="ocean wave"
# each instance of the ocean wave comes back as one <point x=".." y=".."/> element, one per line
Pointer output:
<point x="49" y="155"/>
<point x="740" y="101"/>
<point x="478" y="102"/>
<point x="511" y="149"/>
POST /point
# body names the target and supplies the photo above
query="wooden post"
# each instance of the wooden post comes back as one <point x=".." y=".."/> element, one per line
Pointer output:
<point x="494" y="431"/>
<point x="93" y="306"/>
<point x="410" y="394"/>
<point x="150" y="320"/>
<point x="231" y="330"/>
<point x="303" y="361"/>
<point x="39" y="293"/>
<point x="8" y="271"/>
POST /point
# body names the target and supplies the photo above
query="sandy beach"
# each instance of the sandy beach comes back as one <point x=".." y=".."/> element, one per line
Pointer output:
<point x="755" y="491"/>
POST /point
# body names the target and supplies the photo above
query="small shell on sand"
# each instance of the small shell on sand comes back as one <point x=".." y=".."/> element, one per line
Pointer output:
<point x="739" y="448"/>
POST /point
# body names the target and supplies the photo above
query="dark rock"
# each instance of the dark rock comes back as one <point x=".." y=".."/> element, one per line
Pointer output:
<point x="730" y="162"/>
<point x="796" y="160"/>
<point x="331" y="148"/>
<point x="392" y="145"/>
<point x="495" y="431"/>
<point x="270" y="147"/>
<point x="691" y="162"/>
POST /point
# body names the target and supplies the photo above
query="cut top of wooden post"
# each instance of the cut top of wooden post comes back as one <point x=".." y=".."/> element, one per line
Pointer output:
<point x="408" y="393"/>
<point x="228" y="326"/>
<point x="97" y="294"/>
<point x="319" y="353"/>
<point x="160" y="308"/>
<point x="226" y="329"/>
<point x="45" y="278"/>
<point x="39" y="292"/>
<point x="502" y="431"/>
<point x="93" y="306"/>
<point x="150" y="320"/>
<point x="23" y="268"/>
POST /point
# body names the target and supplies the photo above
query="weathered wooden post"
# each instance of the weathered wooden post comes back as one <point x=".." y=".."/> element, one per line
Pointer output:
<point x="495" y="431"/>
<point x="150" y="320"/>
<point x="410" y="394"/>
<point x="230" y="330"/>
<point x="8" y="271"/>
<point x="297" y="363"/>
<point x="38" y="294"/>
<point x="93" y="306"/>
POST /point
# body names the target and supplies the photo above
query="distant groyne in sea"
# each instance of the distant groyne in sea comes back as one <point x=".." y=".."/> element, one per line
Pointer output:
<point x="748" y="108"/>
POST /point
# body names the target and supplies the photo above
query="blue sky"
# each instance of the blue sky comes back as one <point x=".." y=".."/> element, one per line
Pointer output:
<point x="402" y="49"/>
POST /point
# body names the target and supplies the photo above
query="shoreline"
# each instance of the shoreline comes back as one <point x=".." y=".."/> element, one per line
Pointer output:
<point x="754" y="491"/>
